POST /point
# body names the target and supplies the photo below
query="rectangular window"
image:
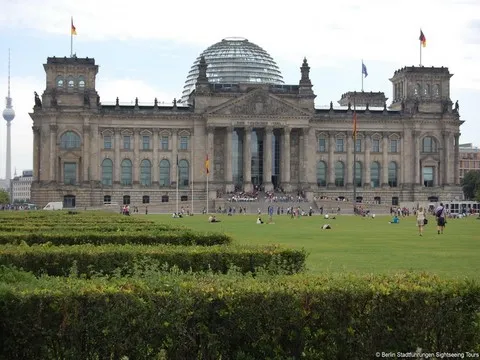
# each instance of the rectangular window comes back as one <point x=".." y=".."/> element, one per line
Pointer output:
<point x="393" y="146"/>
<point x="428" y="176"/>
<point x="322" y="145"/>
<point x="375" y="145"/>
<point x="146" y="142"/>
<point x="107" y="142"/>
<point x="69" y="173"/>
<point x="339" y="143"/>
<point x="126" y="142"/>
<point x="183" y="142"/>
<point x="164" y="143"/>
<point x="358" y="145"/>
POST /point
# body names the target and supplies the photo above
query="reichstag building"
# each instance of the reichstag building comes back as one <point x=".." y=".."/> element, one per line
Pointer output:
<point x="257" y="132"/>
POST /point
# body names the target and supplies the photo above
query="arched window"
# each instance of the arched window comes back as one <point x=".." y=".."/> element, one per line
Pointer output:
<point x="107" y="172"/>
<point x="81" y="82"/>
<point x="426" y="90"/>
<point x="436" y="90"/>
<point x="70" y="140"/>
<point x="126" y="172"/>
<point x="358" y="173"/>
<point x="339" y="174"/>
<point x="428" y="145"/>
<point x="375" y="174"/>
<point x="321" y="173"/>
<point x="183" y="179"/>
<point x="145" y="173"/>
<point x="59" y="81"/>
<point x="164" y="172"/>
<point x="416" y="90"/>
<point x="70" y="82"/>
<point x="392" y="174"/>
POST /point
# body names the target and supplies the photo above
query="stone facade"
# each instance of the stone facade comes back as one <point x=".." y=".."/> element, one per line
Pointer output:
<point x="88" y="153"/>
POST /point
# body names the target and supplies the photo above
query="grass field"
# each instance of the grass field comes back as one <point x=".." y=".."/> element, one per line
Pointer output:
<point x="359" y="245"/>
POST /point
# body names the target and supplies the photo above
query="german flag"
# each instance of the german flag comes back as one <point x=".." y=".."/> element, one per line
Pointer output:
<point x="73" y="30"/>
<point x="207" y="165"/>
<point x="422" y="38"/>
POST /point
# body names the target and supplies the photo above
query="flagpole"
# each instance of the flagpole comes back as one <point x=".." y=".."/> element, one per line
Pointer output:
<point x="177" y="185"/>
<point x="420" y="52"/>
<point x="362" y="75"/>
<point x="355" y="156"/>
<point x="208" y="175"/>
<point x="71" y="43"/>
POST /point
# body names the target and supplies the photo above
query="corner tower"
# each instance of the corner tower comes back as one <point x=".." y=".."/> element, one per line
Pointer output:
<point x="422" y="89"/>
<point x="70" y="82"/>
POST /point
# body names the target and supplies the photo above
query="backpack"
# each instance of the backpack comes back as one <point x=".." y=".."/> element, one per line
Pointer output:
<point x="439" y="212"/>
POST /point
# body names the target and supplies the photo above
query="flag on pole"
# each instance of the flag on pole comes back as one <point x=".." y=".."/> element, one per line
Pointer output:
<point x="364" y="70"/>
<point x="422" y="38"/>
<point x="354" y="127"/>
<point x="207" y="165"/>
<point x="73" y="30"/>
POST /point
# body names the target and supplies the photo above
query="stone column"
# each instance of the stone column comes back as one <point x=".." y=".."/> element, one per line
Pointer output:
<point x="445" y="158"/>
<point x="457" y="160"/>
<point x="36" y="153"/>
<point x="385" y="160"/>
<point x="331" y="163"/>
<point x="310" y="151"/>
<point x="228" y="159"/>
<point x="267" y="159"/>
<point x="156" y="162"/>
<point x="94" y="153"/>
<point x="87" y="148"/>
<point x="416" y="156"/>
<point x="247" y="159"/>
<point x="367" y="164"/>
<point x="53" y="149"/>
<point x="286" y="158"/>
<point x="117" y="161"/>
<point x="210" y="152"/>
<point x="136" y="156"/>
<point x="349" y="171"/>
<point x="174" y="173"/>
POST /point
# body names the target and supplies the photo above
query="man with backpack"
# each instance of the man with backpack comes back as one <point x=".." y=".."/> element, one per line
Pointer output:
<point x="440" y="215"/>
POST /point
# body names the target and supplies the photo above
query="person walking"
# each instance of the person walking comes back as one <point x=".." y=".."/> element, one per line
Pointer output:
<point x="440" y="214"/>
<point x="420" y="220"/>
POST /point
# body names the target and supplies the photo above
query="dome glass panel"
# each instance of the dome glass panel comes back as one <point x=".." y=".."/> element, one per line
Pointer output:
<point x="234" y="61"/>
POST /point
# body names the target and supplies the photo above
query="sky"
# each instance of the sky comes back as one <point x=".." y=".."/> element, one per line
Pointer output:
<point x="145" y="48"/>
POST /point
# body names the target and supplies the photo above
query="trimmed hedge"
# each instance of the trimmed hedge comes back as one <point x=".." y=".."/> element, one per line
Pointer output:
<point x="232" y="317"/>
<point x="109" y="259"/>
<point x="98" y="238"/>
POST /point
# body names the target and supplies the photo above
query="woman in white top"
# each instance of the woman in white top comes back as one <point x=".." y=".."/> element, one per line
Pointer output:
<point x="420" y="220"/>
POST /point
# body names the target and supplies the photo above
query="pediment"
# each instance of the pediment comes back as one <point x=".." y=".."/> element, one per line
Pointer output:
<point x="258" y="102"/>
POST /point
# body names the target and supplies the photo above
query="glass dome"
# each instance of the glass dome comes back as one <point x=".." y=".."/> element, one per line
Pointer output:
<point x="234" y="61"/>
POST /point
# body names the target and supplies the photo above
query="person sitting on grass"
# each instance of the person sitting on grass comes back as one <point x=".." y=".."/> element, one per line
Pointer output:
<point x="213" y="219"/>
<point x="395" y="220"/>
<point x="259" y="220"/>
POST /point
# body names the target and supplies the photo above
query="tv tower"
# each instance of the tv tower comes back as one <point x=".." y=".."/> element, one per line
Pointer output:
<point x="8" y="115"/>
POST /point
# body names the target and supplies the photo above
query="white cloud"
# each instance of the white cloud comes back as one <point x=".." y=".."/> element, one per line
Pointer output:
<point x="383" y="30"/>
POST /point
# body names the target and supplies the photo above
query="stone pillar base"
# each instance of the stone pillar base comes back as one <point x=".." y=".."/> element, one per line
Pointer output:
<point x="229" y="187"/>
<point x="331" y="186"/>
<point x="287" y="187"/>
<point x="385" y="186"/>
<point x="268" y="186"/>
<point x="247" y="187"/>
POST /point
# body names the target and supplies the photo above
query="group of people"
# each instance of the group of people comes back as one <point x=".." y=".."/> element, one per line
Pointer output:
<point x="440" y="216"/>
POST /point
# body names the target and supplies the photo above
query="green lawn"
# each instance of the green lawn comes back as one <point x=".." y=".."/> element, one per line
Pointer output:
<point x="359" y="245"/>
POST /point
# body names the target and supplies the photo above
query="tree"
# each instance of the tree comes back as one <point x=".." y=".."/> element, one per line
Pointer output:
<point x="471" y="184"/>
<point x="4" y="196"/>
